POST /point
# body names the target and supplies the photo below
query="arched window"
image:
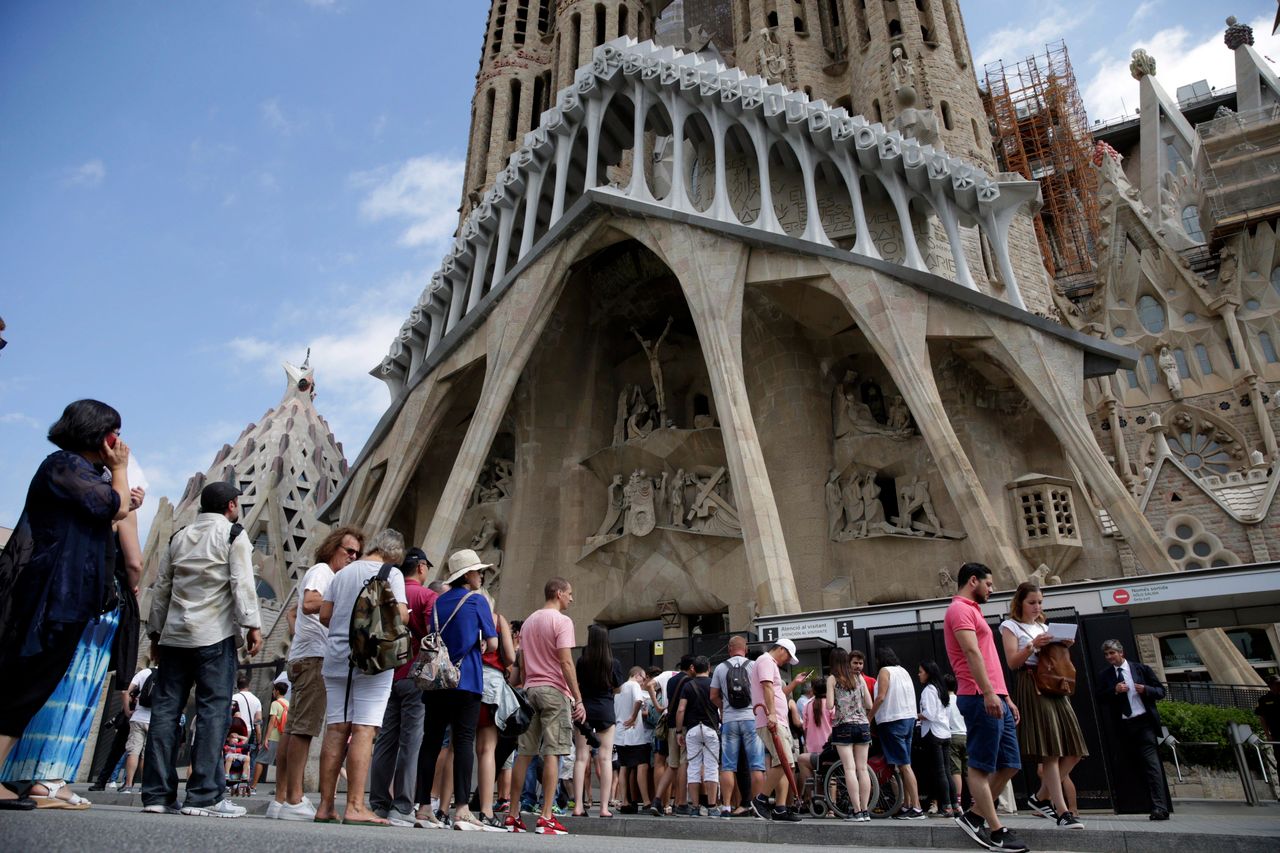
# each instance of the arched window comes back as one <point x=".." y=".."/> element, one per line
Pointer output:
<point x="522" y="21"/>
<point x="1151" y="314"/>
<point x="798" y="23"/>
<point x="538" y="106"/>
<point x="875" y="110"/>
<point x="1275" y="279"/>
<point x="544" y="16"/>
<point x="513" y="117"/>
<point x="600" y="34"/>
<point x="946" y="115"/>
<point x="1268" y="348"/>
<point x="1180" y="358"/>
<point x="499" y="22"/>
<point x="772" y="20"/>
<point x="744" y="17"/>
<point x="622" y="21"/>
<point x="895" y="28"/>
<point x="1202" y="356"/>
<point x="974" y="122"/>
<point x="1132" y="377"/>
<point x="575" y="42"/>
<point x="1191" y="223"/>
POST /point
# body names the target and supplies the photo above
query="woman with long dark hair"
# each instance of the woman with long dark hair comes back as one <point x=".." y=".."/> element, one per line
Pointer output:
<point x="599" y="677"/>
<point x="894" y="710"/>
<point x="1048" y="730"/>
<point x="56" y="572"/>
<point x="935" y="728"/>
<point x="851" y="731"/>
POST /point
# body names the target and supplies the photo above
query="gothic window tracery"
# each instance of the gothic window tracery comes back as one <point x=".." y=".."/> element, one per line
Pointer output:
<point x="1151" y="314"/>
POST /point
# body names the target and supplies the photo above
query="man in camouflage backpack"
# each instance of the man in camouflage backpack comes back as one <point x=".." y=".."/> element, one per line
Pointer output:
<point x="366" y="612"/>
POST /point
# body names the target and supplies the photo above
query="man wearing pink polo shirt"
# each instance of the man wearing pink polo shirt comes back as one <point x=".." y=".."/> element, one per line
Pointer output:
<point x="989" y="714"/>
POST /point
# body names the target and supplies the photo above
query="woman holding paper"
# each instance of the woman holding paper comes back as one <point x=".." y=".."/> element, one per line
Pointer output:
<point x="1048" y="731"/>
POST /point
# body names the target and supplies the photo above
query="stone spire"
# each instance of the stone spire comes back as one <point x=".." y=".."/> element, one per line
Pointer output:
<point x="287" y="464"/>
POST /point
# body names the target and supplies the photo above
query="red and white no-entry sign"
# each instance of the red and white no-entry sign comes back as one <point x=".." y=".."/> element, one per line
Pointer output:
<point x="1121" y="596"/>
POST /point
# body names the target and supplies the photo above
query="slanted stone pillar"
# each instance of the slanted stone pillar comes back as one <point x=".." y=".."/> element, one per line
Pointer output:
<point x="1050" y="373"/>
<point x="712" y="272"/>
<point x="893" y="316"/>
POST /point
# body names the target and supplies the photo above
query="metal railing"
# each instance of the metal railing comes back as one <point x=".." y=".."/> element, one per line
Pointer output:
<point x="1240" y="740"/>
<point x="1243" y="696"/>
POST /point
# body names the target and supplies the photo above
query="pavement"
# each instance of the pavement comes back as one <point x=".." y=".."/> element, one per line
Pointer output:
<point x="115" y="822"/>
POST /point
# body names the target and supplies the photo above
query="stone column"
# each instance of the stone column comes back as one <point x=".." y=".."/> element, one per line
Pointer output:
<point x="1264" y="418"/>
<point x="1111" y="411"/>
<point x="712" y="272"/>
<point x="1051" y="375"/>
<point x="893" y="316"/>
<point x="1221" y="657"/>
<point x="1225" y="307"/>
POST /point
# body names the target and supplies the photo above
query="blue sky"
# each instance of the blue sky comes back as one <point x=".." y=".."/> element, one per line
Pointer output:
<point x="194" y="191"/>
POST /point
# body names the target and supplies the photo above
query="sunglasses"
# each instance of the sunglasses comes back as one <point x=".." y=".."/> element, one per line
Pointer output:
<point x="352" y="553"/>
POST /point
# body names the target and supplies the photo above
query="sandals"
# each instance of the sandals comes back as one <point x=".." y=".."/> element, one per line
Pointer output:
<point x="51" y="800"/>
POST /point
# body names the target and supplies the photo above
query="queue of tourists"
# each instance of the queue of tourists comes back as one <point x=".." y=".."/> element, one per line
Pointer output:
<point x="442" y="712"/>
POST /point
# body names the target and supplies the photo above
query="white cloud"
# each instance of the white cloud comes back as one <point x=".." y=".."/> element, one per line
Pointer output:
<point x="1145" y="8"/>
<point x="19" y="419"/>
<point x="90" y="173"/>
<point x="273" y="115"/>
<point x="423" y="192"/>
<point x="1015" y="43"/>
<point x="1181" y="58"/>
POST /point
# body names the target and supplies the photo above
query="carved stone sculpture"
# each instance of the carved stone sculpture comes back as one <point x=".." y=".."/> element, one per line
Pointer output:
<point x="1169" y="367"/>
<point x="640" y="505"/>
<point x="903" y="75"/>
<point x="913" y="498"/>
<point x="1237" y="35"/>
<point x="614" y="517"/>
<point x="655" y="368"/>
<point x="899" y="414"/>
<point x="485" y="543"/>
<point x="494" y="483"/>
<point x="946" y="583"/>
<point x="624" y="412"/>
<point x="873" y="508"/>
<point x="640" y="423"/>
<point x="835" y="505"/>
<point x="1042" y="577"/>
<point x="1141" y="64"/>
<point x="851" y="499"/>
<point x="771" y="63"/>
<point x="675" y="497"/>
<point x="711" y="510"/>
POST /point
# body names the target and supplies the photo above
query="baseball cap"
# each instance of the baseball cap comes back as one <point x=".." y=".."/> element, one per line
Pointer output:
<point x="783" y="642"/>
<point x="215" y="497"/>
<point x="414" y="556"/>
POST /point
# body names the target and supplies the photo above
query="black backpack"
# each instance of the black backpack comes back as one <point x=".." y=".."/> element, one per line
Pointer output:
<point x="737" y="685"/>
<point x="144" y="692"/>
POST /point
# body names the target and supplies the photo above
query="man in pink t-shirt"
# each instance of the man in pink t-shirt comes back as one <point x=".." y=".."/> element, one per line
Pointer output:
<point x="769" y="699"/>
<point x="551" y="685"/>
<point x="989" y="715"/>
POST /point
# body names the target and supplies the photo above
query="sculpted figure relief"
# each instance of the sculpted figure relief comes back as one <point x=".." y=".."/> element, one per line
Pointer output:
<point x="835" y="505"/>
<point x="640" y="509"/>
<point x="913" y="498"/>
<point x="903" y="74"/>
<point x="613" y="518"/>
<point x="851" y="416"/>
<point x="772" y="64"/>
<point x="494" y="483"/>
<point x="655" y="368"/>
<point x="1169" y="367"/>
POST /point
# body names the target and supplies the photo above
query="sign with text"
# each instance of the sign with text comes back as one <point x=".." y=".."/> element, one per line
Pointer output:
<point x="822" y="628"/>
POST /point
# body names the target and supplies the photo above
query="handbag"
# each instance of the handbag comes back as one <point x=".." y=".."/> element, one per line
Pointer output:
<point x="1054" y="674"/>
<point x="517" y="722"/>
<point x="433" y="669"/>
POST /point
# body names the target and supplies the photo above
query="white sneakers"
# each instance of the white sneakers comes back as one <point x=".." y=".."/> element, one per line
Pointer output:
<point x="295" y="811"/>
<point x="222" y="808"/>
<point x="273" y="809"/>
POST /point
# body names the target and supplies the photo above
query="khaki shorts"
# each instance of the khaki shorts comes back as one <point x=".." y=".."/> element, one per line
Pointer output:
<point x="550" y="731"/>
<point x="784" y="733"/>
<point x="306" y="710"/>
<point x="137" y="742"/>
<point x="675" y="753"/>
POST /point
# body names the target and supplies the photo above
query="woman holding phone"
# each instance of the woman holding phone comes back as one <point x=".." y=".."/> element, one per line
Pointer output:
<point x="56" y="577"/>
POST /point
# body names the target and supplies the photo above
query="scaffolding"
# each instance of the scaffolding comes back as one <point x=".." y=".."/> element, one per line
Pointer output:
<point x="1040" y="130"/>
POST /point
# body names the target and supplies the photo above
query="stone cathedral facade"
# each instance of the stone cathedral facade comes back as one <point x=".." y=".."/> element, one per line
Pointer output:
<point x="740" y="319"/>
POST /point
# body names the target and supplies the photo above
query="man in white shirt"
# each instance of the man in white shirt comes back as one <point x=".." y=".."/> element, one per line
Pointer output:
<point x="139" y="721"/>
<point x="1131" y="689"/>
<point x="204" y="595"/>
<point x="306" y="657"/>
<point x="633" y="739"/>
<point x="250" y="707"/>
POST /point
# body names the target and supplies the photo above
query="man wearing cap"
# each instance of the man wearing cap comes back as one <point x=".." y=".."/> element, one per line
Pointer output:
<point x="394" y="774"/>
<point x="770" y="703"/>
<point x="204" y="595"/>
<point x="465" y="621"/>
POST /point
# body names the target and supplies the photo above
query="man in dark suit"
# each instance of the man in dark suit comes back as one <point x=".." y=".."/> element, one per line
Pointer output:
<point x="1130" y="690"/>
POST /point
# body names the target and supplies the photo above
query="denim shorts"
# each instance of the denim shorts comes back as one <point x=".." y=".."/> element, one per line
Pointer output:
<point x="895" y="741"/>
<point x="992" y="741"/>
<point x="737" y="737"/>
<point x="850" y="733"/>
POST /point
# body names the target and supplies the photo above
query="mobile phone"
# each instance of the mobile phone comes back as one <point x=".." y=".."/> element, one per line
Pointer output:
<point x="111" y="439"/>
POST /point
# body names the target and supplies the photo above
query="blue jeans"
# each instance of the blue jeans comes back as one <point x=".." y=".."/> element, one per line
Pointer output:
<point x="212" y="670"/>
<point x="992" y="741"/>
<point x="737" y="737"/>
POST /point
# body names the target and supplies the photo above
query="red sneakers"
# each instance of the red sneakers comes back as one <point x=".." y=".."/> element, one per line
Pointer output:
<point x="550" y="826"/>
<point x="513" y="823"/>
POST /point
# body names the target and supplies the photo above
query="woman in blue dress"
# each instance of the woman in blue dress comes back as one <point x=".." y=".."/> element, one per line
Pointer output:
<point x="56" y="572"/>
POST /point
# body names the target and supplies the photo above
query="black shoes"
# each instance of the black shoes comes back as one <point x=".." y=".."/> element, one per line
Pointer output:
<point x="785" y="815"/>
<point x="1159" y="814"/>
<point x="974" y="827"/>
<point x="910" y="814"/>
<point x="760" y="806"/>
<point x="1004" y="839"/>
<point x="1069" y="821"/>
<point x="1042" y="808"/>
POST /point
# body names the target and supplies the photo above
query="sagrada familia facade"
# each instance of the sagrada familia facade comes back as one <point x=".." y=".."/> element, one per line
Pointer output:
<point x="744" y="318"/>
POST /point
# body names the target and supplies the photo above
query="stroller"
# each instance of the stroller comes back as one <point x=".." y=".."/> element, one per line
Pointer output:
<point x="238" y="758"/>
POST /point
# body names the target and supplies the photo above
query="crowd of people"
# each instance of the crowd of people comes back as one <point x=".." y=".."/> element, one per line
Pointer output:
<point x="442" y="712"/>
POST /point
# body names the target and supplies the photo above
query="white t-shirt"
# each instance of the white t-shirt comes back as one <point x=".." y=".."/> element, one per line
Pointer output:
<point x="342" y="591"/>
<point x="309" y="636"/>
<point x="900" y="703"/>
<point x="140" y="714"/>
<point x="624" y="702"/>
<point x="250" y="707"/>
<point x="1025" y="633"/>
